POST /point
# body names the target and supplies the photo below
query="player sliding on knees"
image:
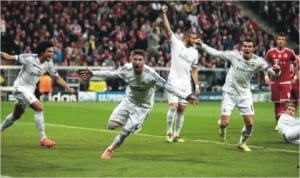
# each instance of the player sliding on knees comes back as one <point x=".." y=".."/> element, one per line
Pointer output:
<point x="139" y="98"/>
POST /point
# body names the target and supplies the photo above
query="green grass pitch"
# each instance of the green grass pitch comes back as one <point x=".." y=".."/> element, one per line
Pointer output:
<point x="79" y="130"/>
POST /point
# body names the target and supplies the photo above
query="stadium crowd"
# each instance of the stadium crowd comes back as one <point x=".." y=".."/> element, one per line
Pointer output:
<point x="284" y="16"/>
<point x="100" y="33"/>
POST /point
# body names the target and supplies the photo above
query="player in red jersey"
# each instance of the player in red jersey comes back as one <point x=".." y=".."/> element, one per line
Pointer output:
<point x="295" y="80"/>
<point x="280" y="86"/>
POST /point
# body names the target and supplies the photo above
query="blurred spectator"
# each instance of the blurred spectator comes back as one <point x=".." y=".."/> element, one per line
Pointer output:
<point x="45" y="87"/>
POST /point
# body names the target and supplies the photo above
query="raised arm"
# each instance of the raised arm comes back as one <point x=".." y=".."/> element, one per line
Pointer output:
<point x="165" y="20"/>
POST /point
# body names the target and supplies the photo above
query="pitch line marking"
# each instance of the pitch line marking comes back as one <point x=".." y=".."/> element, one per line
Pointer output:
<point x="158" y="136"/>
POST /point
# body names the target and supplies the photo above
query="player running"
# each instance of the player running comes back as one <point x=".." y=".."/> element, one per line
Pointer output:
<point x="139" y="98"/>
<point x="33" y="66"/>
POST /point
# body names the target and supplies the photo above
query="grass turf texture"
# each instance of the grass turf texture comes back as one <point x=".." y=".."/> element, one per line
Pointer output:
<point x="79" y="130"/>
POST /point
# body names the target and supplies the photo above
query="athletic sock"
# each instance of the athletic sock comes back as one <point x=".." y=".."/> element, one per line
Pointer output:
<point x="39" y="122"/>
<point x="118" y="140"/>
<point x="9" y="120"/>
<point x="179" y="123"/>
<point x="170" y="119"/>
<point x="246" y="133"/>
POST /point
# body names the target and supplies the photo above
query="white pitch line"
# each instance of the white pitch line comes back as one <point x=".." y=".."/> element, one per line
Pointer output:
<point x="158" y="136"/>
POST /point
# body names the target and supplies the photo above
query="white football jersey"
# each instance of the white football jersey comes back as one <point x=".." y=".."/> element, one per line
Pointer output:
<point x="141" y="88"/>
<point x="182" y="59"/>
<point x="240" y="72"/>
<point x="31" y="70"/>
<point x="285" y="123"/>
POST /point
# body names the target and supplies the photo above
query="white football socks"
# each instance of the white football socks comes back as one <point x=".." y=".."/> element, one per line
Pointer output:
<point x="7" y="122"/>
<point x="39" y="122"/>
<point x="170" y="119"/>
<point x="179" y="123"/>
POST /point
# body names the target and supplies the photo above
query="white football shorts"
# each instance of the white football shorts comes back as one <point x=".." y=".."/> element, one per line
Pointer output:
<point x="181" y="85"/>
<point x="291" y="134"/>
<point x="243" y="103"/>
<point x="130" y="115"/>
<point x="24" y="96"/>
<point x="175" y="99"/>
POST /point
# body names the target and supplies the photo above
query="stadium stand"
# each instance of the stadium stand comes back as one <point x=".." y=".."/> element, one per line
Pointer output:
<point x="100" y="33"/>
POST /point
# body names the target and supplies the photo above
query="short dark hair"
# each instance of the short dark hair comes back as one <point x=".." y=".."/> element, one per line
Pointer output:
<point x="42" y="46"/>
<point x="188" y="33"/>
<point x="282" y="34"/>
<point x="249" y="40"/>
<point x="139" y="52"/>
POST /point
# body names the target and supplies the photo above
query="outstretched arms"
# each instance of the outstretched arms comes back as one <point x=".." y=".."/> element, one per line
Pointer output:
<point x="7" y="56"/>
<point x="85" y="74"/>
<point x="173" y="89"/>
<point x="88" y="73"/>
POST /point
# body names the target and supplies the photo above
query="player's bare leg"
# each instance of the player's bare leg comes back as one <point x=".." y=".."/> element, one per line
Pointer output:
<point x="223" y="123"/>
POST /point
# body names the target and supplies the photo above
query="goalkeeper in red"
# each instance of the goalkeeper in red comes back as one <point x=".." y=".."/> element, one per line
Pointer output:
<point x="236" y="90"/>
<point x="139" y="98"/>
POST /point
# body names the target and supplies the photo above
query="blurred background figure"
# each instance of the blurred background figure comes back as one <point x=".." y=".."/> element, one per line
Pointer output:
<point x="45" y="87"/>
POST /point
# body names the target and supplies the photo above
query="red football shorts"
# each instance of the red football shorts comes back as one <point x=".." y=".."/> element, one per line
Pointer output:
<point x="280" y="92"/>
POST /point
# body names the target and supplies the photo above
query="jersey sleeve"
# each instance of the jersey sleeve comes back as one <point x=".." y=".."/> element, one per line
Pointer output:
<point x="121" y="72"/>
<point x="263" y="64"/>
<point x="23" y="58"/>
<point x="106" y="73"/>
<point x="51" y="69"/>
<point x="174" y="41"/>
<point x="221" y="54"/>
<point x="196" y="60"/>
<point x="161" y="82"/>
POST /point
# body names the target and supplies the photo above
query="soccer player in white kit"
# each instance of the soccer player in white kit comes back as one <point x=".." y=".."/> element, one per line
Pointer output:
<point x="184" y="64"/>
<point x="289" y="124"/>
<point x="139" y="98"/>
<point x="33" y="66"/>
<point x="236" y="90"/>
